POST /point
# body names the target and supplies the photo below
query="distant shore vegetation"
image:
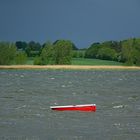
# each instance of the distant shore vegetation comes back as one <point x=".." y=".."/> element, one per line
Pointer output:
<point x="64" y="52"/>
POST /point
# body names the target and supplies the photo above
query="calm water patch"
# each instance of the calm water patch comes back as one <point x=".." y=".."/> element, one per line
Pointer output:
<point x="26" y="95"/>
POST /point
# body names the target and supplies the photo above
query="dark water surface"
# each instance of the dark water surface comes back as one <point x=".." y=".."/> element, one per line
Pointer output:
<point x="26" y="95"/>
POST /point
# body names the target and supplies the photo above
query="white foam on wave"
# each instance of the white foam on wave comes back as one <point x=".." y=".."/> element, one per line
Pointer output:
<point x="118" y="106"/>
<point x="63" y="86"/>
<point x="22" y="76"/>
<point x="52" y="78"/>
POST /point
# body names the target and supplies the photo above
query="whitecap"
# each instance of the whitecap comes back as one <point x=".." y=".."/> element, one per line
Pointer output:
<point x="52" y="78"/>
<point x="120" y="79"/>
<point x="116" y="124"/>
<point x="74" y="93"/>
<point x="21" y="107"/>
<point x="55" y="103"/>
<point x="21" y="90"/>
<point x="63" y="86"/>
<point x="39" y="115"/>
<point x="21" y="76"/>
<point x="118" y="106"/>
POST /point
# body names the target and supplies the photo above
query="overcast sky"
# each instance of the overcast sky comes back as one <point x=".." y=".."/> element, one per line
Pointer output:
<point x="81" y="21"/>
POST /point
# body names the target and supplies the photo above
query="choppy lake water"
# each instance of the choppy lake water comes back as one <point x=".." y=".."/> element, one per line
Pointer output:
<point x="26" y="97"/>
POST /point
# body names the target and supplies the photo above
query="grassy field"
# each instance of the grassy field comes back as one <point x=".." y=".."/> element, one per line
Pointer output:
<point x="84" y="61"/>
<point x="30" y="61"/>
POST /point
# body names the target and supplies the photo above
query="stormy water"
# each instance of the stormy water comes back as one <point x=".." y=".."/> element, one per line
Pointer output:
<point x="26" y="97"/>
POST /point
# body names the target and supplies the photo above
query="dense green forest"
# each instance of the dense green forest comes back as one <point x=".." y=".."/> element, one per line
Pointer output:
<point x="62" y="51"/>
<point x="126" y="51"/>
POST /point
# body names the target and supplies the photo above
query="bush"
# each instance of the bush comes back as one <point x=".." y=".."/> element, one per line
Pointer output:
<point x="21" y="58"/>
<point x="7" y="53"/>
<point x="37" y="61"/>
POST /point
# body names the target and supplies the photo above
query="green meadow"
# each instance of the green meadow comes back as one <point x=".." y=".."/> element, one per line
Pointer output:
<point x="85" y="61"/>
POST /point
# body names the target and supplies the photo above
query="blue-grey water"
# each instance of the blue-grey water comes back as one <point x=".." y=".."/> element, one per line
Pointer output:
<point x="26" y="97"/>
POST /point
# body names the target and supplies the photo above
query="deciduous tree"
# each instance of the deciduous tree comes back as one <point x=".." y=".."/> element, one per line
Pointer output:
<point x="63" y="52"/>
<point x="7" y="53"/>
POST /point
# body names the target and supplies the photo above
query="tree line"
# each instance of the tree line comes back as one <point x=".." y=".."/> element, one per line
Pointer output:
<point x="59" y="52"/>
<point x="62" y="52"/>
<point x="126" y="51"/>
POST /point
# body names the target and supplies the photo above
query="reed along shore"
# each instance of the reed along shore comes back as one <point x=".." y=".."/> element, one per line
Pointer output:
<point x="75" y="67"/>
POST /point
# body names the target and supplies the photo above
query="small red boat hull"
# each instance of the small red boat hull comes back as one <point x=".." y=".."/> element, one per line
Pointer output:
<point x="87" y="107"/>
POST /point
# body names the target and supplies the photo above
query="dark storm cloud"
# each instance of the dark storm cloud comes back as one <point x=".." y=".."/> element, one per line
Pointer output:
<point x="82" y="21"/>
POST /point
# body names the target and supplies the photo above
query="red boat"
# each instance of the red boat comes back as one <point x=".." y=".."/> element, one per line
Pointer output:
<point x="84" y="107"/>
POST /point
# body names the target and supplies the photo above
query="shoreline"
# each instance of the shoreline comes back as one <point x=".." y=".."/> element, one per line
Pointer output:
<point x="70" y="67"/>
